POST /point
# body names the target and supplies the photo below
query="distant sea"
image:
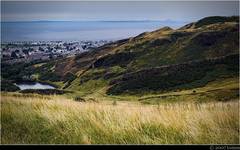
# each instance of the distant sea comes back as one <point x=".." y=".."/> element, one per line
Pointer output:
<point x="78" y="30"/>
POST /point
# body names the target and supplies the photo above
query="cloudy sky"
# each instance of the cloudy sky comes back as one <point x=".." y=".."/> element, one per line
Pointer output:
<point x="115" y="11"/>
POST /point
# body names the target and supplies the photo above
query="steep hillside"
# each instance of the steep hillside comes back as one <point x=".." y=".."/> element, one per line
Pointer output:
<point x="208" y="41"/>
<point x="164" y="59"/>
<point x="165" y="46"/>
<point x="186" y="75"/>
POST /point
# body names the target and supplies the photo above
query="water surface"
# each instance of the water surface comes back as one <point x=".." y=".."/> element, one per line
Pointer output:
<point x="34" y="85"/>
<point x="78" y="30"/>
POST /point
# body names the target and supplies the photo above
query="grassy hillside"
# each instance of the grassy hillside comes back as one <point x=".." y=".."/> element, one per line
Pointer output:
<point x="209" y="38"/>
<point x="187" y="75"/>
<point x="162" y="87"/>
<point x="187" y="53"/>
<point x="39" y="119"/>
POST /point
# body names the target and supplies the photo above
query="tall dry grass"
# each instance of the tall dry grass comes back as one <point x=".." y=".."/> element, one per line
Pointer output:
<point x="57" y="120"/>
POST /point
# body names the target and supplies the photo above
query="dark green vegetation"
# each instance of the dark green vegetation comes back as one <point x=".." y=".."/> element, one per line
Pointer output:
<point x="216" y="19"/>
<point x="158" y="61"/>
<point x="187" y="75"/>
<point x="8" y="86"/>
<point x="44" y="91"/>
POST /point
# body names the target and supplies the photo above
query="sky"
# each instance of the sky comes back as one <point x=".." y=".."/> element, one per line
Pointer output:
<point x="115" y="11"/>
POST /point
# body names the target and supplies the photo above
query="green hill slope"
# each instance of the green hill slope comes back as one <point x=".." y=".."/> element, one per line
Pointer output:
<point x="210" y="39"/>
<point x="164" y="59"/>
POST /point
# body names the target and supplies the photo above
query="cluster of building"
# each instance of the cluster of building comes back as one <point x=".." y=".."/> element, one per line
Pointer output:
<point x="13" y="52"/>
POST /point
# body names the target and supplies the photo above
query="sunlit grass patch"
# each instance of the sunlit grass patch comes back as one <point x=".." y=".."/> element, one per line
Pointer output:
<point x="58" y="120"/>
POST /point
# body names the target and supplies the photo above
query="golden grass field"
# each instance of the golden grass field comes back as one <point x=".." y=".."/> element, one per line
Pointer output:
<point x="40" y="119"/>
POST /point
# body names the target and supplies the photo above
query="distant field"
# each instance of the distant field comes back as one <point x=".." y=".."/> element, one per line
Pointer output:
<point x="42" y="119"/>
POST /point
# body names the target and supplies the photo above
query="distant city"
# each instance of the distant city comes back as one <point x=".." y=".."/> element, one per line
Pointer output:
<point x="54" y="39"/>
<point x="13" y="52"/>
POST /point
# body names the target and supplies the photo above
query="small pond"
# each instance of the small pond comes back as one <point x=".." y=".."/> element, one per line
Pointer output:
<point x="33" y="85"/>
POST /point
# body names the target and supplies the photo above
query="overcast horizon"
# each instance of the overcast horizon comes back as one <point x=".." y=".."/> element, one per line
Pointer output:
<point x="115" y="11"/>
<point x="95" y="21"/>
<point x="107" y="20"/>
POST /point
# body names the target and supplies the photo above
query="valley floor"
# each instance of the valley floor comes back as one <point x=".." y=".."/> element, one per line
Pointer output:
<point x="40" y="119"/>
